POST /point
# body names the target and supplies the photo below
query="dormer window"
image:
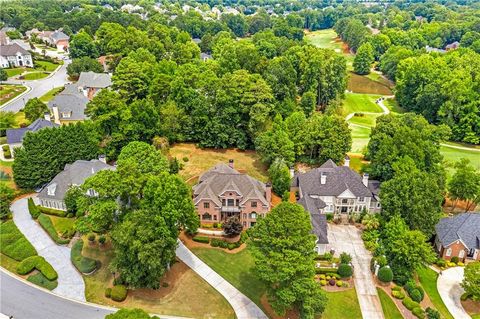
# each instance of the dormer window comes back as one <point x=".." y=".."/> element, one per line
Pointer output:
<point x="66" y="115"/>
<point x="51" y="189"/>
<point x="254" y="204"/>
<point x="361" y="199"/>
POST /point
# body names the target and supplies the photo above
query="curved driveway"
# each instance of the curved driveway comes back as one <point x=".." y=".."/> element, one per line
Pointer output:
<point x="70" y="282"/>
<point x="37" y="88"/>
<point x="448" y="286"/>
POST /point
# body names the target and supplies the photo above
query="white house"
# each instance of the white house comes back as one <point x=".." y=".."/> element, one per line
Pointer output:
<point x="13" y="55"/>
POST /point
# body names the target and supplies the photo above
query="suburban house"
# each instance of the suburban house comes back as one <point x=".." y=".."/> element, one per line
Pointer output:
<point x="13" y="55"/>
<point x="56" y="38"/>
<point x="15" y="135"/>
<point x="459" y="236"/>
<point x="69" y="105"/>
<point x="223" y="192"/>
<point x="338" y="190"/>
<point x="53" y="194"/>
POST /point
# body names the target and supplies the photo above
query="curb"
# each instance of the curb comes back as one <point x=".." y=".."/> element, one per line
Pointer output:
<point x="29" y="88"/>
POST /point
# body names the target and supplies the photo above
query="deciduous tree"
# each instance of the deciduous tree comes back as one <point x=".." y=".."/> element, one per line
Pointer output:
<point x="34" y="109"/>
<point x="471" y="280"/>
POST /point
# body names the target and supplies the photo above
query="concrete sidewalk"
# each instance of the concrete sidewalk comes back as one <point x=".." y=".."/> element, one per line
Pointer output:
<point x="448" y="286"/>
<point x="347" y="238"/>
<point x="70" y="282"/>
<point x="244" y="308"/>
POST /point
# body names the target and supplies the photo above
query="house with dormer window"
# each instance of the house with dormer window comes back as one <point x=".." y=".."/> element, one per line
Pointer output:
<point x="53" y="194"/>
<point x="223" y="192"/>
<point x="334" y="189"/>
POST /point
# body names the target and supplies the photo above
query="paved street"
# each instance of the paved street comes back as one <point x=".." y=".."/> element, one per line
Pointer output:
<point x="347" y="238"/>
<point x="448" y="286"/>
<point x="37" y="88"/>
<point x="244" y="308"/>
<point x="70" y="282"/>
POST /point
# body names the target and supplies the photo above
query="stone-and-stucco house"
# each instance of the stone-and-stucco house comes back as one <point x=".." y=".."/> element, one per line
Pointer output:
<point x="55" y="38"/>
<point x="13" y="55"/>
<point x="69" y="105"/>
<point x="459" y="236"/>
<point x="53" y="194"/>
<point x="334" y="189"/>
<point x="223" y="192"/>
<point x="15" y="136"/>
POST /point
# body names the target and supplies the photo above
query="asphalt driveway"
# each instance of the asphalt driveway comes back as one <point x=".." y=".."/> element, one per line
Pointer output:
<point x="347" y="238"/>
<point x="448" y="286"/>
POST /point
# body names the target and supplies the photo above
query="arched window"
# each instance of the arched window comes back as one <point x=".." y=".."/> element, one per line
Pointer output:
<point x="253" y="215"/>
<point x="207" y="216"/>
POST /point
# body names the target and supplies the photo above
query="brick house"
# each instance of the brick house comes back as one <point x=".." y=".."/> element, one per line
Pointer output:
<point x="459" y="236"/>
<point x="55" y="38"/>
<point x="223" y="192"/>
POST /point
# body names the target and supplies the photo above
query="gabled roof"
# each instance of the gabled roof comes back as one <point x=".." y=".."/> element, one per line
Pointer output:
<point x="59" y="35"/>
<point x="464" y="227"/>
<point x="12" y="49"/>
<point x="221" y="178"/>
<point x="15" y="136"/>
<point x="319" y="221"/>
<point x="94" y="80"/>
<point x="338" y="180"/>
<point x="70" y="101"/>
<point x="73" y="174"/>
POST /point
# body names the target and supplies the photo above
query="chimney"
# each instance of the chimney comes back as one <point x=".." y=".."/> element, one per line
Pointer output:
<point x="47" y="117"/>
<point x="56" y="115"/>
<point x="268" y="193"/>
<point x="230" y="163"/>
<point x="291" y="171"/>
<point x="365" y="179"/>
<point x="347" y="161"/>
<point x="102" y="158"/>
<point x="323" y="178"/>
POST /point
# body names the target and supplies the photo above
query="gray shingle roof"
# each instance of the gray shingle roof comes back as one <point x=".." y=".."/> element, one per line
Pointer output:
<point x="59" y="35"/>
<point x="221" y="178"/>
<point x="94" y="80"/>
<point x="73" y="174"/>
<point x="12" y="49"/>
<point x="464" y="227"/>
<point x="70" y="101"/>
<point x="15" y="136"/>
<point x="319" y="221"/>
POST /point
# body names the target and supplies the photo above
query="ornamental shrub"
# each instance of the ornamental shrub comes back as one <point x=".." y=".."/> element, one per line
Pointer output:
<point x="40" y="280"/>
<point x="441" y="263"/>
<point x="385" y="274"/>
<point x="464" y="296"/>
<point x="331" y="282"/>
<point x="415" y="295"/>
<point x="322" y="276"/>
<point x="418" y="312"/>
<point x="91" y="238"/>
<point x="398" y="294"/>
<point x="339" y="283"/>
<point x="410" y="304"/>
<point x="451" y="264"/>
<point x="51" y="211"/>
<point x="432" y="313"/>
<point x="345" y="258"/>
<point x="47" y="224"/>
<point x="83" y="264"/>
<point x="37" y="262"/>
<point x="323" y="282"/>
<point x="201" y="239"/>
<point x="454" y="259"/>
<point x="33" y="209"/>
<point x="345" y="270"/>
<point x="119" y="293"/>
<point x="102" y="239"/>
<point x="397" y="288"/>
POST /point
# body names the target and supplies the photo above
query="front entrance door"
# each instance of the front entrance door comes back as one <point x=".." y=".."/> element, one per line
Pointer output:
<point x="344" y="209"/>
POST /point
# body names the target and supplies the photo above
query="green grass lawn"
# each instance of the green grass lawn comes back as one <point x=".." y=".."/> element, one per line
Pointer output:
<point x="428" y="279"/>
<point x="453" y="155"/>
<point x="237" y="269"/>
<point x="363" y="84"/>
<point x="8" y="92"/>
<point x="47" y="97"/>
<point x="369" y="120"/>
<point x="360" y="103"/>
<point x="343" y="304"/>
<point x="62" y="224"/>
<point x="393" y="106"/>
<point x="14" y="71"/>
<point x="35" y="76"/>
<point x="360" y="138"/>
<point x="389" y="308"/>
<point x="327" y="39"/>
<point x="45" y="66"/>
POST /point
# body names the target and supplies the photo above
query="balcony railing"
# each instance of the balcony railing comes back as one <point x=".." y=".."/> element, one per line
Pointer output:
<point x="230" y="209"/>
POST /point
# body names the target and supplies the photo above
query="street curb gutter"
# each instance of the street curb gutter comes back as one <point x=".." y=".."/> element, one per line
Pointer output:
<point x="29" y="88"/>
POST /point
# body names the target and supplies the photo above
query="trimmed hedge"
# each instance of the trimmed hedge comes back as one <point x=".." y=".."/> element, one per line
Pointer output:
<point x="345" y="270"/>
<point x="410" y="304"/>
<point x="201" y="239"/>
<point x="37" y="262"/>
<point x="13" y="243"/>
<point x="83" y="264"/>
<point x="40" y="280"/>
<point x="418" y="312"/>
<point x="6" y="151"/>
<point x="47" y="224"/>
<point x="415" y="292"/>
<point x="51" y="211"/>
<point x="325" y="270"/>
<point x="119" y="293"/>
<point x="385" y="274"/>
<point x="398" y="294"/>
<point x="33" y="209"/>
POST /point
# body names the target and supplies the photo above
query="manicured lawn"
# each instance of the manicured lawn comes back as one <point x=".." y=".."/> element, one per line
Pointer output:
<point x="62" y="224"/>
<point x="356" y="162"/>
<point x="453" y="155"/>
<point x="47" y="97"/>
<point x="8" y="92"/>
<point x="360" y="103"/>
<point x="45" y="66"/>
<point x="326" y="39"/>
<point x="369" y="120"/>
<point x="200" y="160"/>
<point x="363" y="84"/>
<point x="343" y="304"/>
<point x="187" y="295"/>
<point x="393" y="106"/>
<point x="360" y="138"/>
<point x="237" y="269"/>
<point x="389" y="308"/>
<point x="428" y="279"/>
<point x="35" y="76"/>
<point x="14" y="71"/>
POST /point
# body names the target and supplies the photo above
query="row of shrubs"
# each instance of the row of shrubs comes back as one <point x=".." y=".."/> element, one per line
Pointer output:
<point x="412" y="304"/>
<point x="6" y="151"/>
<point x="35" y="210"/>
<point x="101" y="239"/>
<point x="454" y="261"/>
<point x="216" y="242"/>
<point x="27" y="265"/>
<point x="40" y="280"/>
<point x="13" y="243"/>
<point x="83" y="264"/>
<point x="47" y="224"/>
<point x="414" y="291"/>
<point x="214" y="225"/>
<point x="326" y="271"/>
<point x="117" y="293"/>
